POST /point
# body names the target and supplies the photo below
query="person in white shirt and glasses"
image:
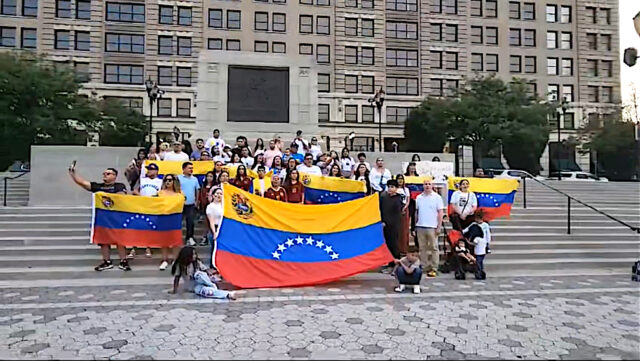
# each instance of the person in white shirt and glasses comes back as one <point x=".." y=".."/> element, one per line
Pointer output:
<point x="429" y="213"/>
<point x="379" y="176"/>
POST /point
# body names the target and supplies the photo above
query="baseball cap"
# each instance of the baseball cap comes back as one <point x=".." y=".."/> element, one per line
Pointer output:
<point x="152" y="166"/>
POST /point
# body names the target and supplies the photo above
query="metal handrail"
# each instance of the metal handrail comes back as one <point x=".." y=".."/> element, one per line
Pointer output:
<point x="569" y="199"/>
<point x="6" y="179"/>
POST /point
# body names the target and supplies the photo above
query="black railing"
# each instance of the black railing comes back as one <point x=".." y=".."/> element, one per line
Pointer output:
<point x="7" y="179"/>
<point x="569" y="199"/>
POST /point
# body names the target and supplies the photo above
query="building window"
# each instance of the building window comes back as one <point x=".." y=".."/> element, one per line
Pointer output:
<point x="164" y="107"/>
<point x="184" y="76"/>
<point x="83" y="9"/>
<point x="436" y="87"/>
<point x="565" y="14"/>
<point x="350" y="83"/>
<point x="323" y="25"/>
<point x="402" y="86"/>
<point x="30" y="8"/>
<point x="402" y="5"/>
<point x="279" y="22"/>
<point x="351" y="113"/>
<point x="366" y="27"/>
<point x="436" y="32"/>
<point x="515" y="64"/>
<point x="165" y="45"/>
<point x="568" y="121"/>
<point x="491" y="8"/>
<point x="475" y="7"/>
<point x="304" y="2"/>
<point x="567" y="92"/>
<point x="552" y="13"/>
<point x="215" y="18"/>
<point x="398" y="30"/>
<point x="367" y="56"/>
<point x="233" y="44"/>
<point x="63" y="8"/>
<point x="606" y="42"/>
<point x="184" y="108"/>
<point x="591" y="14"/>
<point x="8" y="7"/>
<point x="593" y="94"/>
<point x="435" y="59"/>
<point x="529" y="37"/>
<point x="514" y="10"/>
<point x="323" y="2"/>
<point x="82" y="41"/>
<point x="166" y="14"/>
<point x="62" y="39"/>
<point x="322" y="54"/>
<point x="552" y="39"/>
<point x="368" y="114"/>
<point x="514" y="37"/>
<point x="233" y="19"/>
<point x="184" y="46"/>
<point x="530" y="64"/>
<point x="278" y="47"/>
<point x="566" y="41"/>
<point x="29" y="38"/>
<point x="592" y="67"/>
<point x="552" y="92"/>
<point x="306" y="49"/>
<point x="130" y="13"/>
<point x="261" y="46"/>
<point x="491" y="62"/>
<point x="397" y="115"/>
<point x="532" y="89"/>
<point x="477" y="62"/>
<point x="351" y="3"/>
<point x="306" y="24"/>
<point x="165" y="76"/>
<point x="131" y="103"/>
<point x="323" y="113"/>
<point x="567" y="67"/>
<point x="402" y="58"/>
<point x="436" y="6"/>
<point x="367" y="84"/>
<point x="125" y="43"/>
<point x="324" y="83"/>
<point x="607" y="68"/>
<point x="351" y="26"/>
<point x="529" y="11"/>
<point x="214" y="44"/>
<point x="450" y="60"/>
<point x="351" y="55"/>
<point x="123" y="74"/>
<point x="476" y="35"/>
<point x="451" y="33"/>
<point x="552" y="66"/>
<point x="184" y="16"/>
<point x="491" y="36"/>
<point x="607" y="94"/>
<point x="82" y="71"/>
<point x="450" y="6"/>
<point x="261" y="21"/>
<point x="592" y="41"/>
<point x="606" y="17"/>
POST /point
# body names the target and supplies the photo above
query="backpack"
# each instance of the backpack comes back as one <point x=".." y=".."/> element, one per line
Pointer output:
<point x="635" y="271"/>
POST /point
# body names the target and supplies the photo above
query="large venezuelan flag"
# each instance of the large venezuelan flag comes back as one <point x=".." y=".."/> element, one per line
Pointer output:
<point x="200" y="168"/>
<point x="327" y="190"/>
<point x="495" y="196"/>
<point x="129" y="221"/>
<point x="266" y="243"/>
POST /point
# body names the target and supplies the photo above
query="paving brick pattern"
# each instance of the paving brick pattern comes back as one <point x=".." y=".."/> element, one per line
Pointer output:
<point x="484" y="321"/>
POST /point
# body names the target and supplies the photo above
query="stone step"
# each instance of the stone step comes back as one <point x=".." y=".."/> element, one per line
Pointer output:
<point x="559" y="264"/>
<point x="43" y="210"/>
<point x="561" y="253"/>
<point x="572" y="243"/>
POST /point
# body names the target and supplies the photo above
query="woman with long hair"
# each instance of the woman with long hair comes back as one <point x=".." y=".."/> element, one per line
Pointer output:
<point x="186" y="147"/>
<point x="415" y="157"/>
<point x="259" y="148"/>
<point x="464" y="204"/>
<point x="235" y="160"/>
<point x="197" y="277"/>
<point x="294" y="187"/>
<point x="203" y="198"/>
<point x="170" y="187"/>
<point x="291" y="164"/>
<point x="132" y="172"/>
<point x="242" y="180"/>
<point x="214" y="217"/>
<point x="277" y="167"/>
<point x="334" y="171"/>
<point x="347" y="164"/>
<point x="403" y="191"/>
<point x="362" y="174"/>
<point x="258" y="160"/>
<point x="217" y="169"/>
<point x="411" y="170"/>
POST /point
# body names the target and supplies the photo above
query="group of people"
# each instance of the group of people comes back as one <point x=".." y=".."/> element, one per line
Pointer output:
<point x="403" y="218"/>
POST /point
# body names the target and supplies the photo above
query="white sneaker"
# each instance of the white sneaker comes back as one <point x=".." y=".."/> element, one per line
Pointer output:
<point x="191" y="242"/>
<point x="164" y="265"/>
<point x="132" y="254"/>
<point x="399" y="288"/>
<point x="416" y="289"/>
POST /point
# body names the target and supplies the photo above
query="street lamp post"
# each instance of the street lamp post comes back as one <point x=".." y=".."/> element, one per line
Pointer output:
<point x="378" y="101"/>
<point x="154" y="94"/>
<point x="563" y="106"/>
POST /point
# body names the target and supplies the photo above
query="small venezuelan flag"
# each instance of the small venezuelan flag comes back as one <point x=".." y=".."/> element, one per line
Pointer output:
<point x="266" y="243"/>
<point x="129" y="221"/>
<point x="495" y="196"/>
<point x="327" y="190"/>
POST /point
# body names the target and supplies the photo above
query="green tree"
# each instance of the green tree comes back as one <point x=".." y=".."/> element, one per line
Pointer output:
<point x="429" y="121"/>
<point x="41" y="104"/>
<point x="120" y="126"/>
<point x="615" y="147"/>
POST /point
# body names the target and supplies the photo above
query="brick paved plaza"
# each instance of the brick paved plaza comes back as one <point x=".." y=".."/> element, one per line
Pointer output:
<point x="592" y="317"/>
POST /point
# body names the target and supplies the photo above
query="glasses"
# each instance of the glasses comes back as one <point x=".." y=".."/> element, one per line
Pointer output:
<point x="167" y="180"/>
<point x="108" y="173"/>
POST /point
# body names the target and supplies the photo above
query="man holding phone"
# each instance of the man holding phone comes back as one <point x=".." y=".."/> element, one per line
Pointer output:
<point x="108" y="185"/>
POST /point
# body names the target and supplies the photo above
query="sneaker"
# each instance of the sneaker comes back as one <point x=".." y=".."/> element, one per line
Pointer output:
<point x="132" y="254"/>
<point x="164" y="265"/>
<point x="191" y="242"/>
<point x="232" y="296"/>
<point x="204" y="241"/>
<point x="124" y="265"/>
<point x="104" y="265"/>
<point x="148" y="253"/>
<point x="416" y="289"/>
<point x="432" y="274"/>
<point x="400" y="288"/>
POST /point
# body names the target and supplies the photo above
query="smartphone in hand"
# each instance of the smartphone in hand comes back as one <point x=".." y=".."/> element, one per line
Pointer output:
<point x="72" y="167"/>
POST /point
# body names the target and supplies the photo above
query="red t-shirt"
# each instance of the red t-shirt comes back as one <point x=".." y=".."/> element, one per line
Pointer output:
<point x="244" y="183"/>
<point x="295" y="192"/>
<point x="278" y="195"/>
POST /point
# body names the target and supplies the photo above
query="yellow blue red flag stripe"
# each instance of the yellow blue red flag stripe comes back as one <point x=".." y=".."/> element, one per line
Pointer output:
<point x="326" y="190"/>
<point x="495" y="196"/>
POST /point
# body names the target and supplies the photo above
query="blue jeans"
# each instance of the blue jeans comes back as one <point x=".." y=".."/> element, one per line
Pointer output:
<point x="205" y="288"/>
<point x="405" y="278"/>
<point x="480" y="262"/>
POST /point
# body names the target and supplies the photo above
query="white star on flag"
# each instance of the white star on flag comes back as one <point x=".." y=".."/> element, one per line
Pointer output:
<point x="334" y="256"/>
<point x="281" y="247"/>
<point x="289" y="242"/>
<point x="310" y="240"/>
<point x="319" y="244"/>
<point x="328" y="249"/>
<point x="299" y="240"/>
<point x="276" y="255"/>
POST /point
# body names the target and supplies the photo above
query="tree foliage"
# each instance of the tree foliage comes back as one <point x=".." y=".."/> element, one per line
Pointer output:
<point x="41" y="104"/>
<point x="614" y="145"/>
<point x="485" y="111"/>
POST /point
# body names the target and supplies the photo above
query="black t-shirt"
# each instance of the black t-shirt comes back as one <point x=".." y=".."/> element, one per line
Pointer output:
<point x="111" y="188"/>
<point x="391" y="208"/>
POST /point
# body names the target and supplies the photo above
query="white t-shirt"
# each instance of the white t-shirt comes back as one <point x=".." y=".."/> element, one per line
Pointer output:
<point x="215" y="210"/>
<point x="261" y="186"/>
<point x="377" y="179"/>
<point x="314" y="169"/>
<point x="212" y="143"/>
<point x="481" y="247"/>
<point x="427" y="207"/>
<point x="301" y="143"/>
<point x="221" y="158"/>
<point x="463" y="203"/>
<point x="315" y="150"/>
<point x="247" y="161"/>
<point x="182" y="156"/>
<point x="405" y="194"/>
<point x="346" y="164"/>
<point x="150" y="187"/>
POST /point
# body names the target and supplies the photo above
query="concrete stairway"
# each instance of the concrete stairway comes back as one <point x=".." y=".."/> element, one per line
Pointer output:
<point x="17" y="189"/>
<point x="52" y="243"/>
